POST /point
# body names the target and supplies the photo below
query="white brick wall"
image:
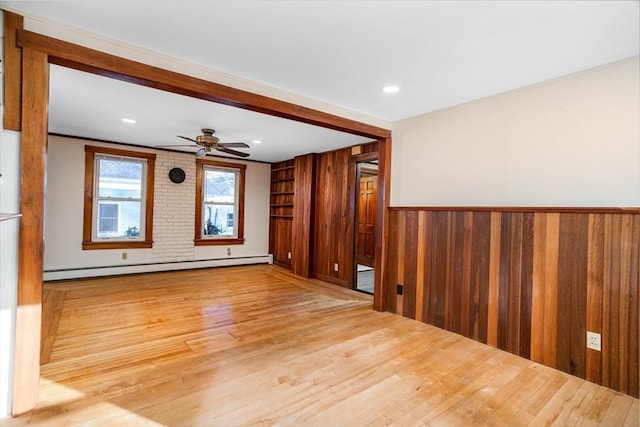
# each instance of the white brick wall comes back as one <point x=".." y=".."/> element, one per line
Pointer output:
<point x="174" y="209"/>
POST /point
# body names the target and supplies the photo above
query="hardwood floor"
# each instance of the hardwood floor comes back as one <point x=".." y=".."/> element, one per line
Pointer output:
<point x="259" y="346"/>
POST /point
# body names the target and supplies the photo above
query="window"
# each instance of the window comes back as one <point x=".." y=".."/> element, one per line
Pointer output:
<point x="118" y="200"/>
<point x="219" y="203"/>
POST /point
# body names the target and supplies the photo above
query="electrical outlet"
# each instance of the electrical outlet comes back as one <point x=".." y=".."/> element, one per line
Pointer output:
<point x="124" y="256"/>
<point x="289" y="255"/>
<point x="228" y="251"/>
<point x="335" y="267"/>
<point x="399" y="289"/>
<point x="594" y="341"/>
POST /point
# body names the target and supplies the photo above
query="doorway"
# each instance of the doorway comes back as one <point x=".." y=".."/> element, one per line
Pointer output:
<point x="29" y="105"/>
<point x="365" y="221"/>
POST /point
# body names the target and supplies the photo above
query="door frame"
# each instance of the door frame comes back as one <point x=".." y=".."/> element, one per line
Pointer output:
<point x="26" y="86"/>
<point x="354" y="165"/>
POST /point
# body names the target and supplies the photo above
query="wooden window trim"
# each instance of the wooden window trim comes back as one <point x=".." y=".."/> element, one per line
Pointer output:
<point x="239" y="220"/>
<point x="87" y="243"/>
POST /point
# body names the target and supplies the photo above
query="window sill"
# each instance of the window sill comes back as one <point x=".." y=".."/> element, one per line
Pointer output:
<point x="120" y="244"/>
<point x="218" y="242"/>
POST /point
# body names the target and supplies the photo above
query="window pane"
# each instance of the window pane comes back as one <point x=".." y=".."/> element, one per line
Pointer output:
<point x="216" y="220"/>
<point x="120" y="178"/>
<point x="107" y="218"/>
<point x="125" y="223"/>
<point x="220" y="186"/>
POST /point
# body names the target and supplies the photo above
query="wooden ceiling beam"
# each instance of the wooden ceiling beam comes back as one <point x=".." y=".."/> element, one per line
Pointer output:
<point x="85" y="59"/>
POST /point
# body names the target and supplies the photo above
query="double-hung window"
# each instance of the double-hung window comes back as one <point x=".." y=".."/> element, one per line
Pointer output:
<point x="118" y="205"/>
<point x="219" y="203"/>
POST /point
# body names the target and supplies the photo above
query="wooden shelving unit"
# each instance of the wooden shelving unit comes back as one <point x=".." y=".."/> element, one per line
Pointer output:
<point x="282" y="189"/>
<point x="281" y="211"/>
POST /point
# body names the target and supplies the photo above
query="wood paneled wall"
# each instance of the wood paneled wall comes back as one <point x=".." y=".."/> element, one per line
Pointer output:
<point x="528" y="282"/>
<point x="335" y="215"/>
<point x="334" y="218"/>
<point x="304" y="203"/>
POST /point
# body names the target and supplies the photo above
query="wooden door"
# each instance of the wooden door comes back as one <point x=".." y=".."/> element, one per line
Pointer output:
<point x="367" y="220"/>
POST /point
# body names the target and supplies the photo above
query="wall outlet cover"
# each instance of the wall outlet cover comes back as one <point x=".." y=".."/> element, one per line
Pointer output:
<point x="594" y="341"/>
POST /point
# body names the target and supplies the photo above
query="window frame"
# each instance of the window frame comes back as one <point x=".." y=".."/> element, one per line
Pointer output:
<point x="88" y="242"/>
<point x="199" y="239"/>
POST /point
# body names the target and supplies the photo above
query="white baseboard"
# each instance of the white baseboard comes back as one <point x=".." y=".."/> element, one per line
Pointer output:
<point x="150" y="268"/>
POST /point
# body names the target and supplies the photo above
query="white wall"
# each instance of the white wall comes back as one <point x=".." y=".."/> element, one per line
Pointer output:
<point x="173" y="222"/>
<point x="9" y="203"/>
<point x="573" y="141"/>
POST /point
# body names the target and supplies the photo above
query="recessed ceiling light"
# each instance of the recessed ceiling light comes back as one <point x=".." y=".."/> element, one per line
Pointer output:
<point x="390" y="89"/>
<point x="256" y="141"/>
<point x="129" y="121"/>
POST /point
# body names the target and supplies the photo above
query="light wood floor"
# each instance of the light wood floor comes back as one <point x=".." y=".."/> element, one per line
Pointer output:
<point x="258" y="346"/>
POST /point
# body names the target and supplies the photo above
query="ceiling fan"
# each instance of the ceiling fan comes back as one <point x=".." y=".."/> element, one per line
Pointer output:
<point x="208" y="142"/>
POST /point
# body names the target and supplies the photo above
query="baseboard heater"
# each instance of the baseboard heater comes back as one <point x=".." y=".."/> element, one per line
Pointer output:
<point x="114" y="270"/>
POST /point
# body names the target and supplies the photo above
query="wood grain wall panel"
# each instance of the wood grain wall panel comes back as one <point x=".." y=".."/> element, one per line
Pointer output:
<point x="439" y="246"/>
<point x="454" y="295"/>
<point x="526" y="283"/>
<point x="611" y="302"/>
<point x="480" y="251"/>
<point x="303" y="211"/>
<point x="392" y="263"/>
<point x="280" y="241"/>
<point x="408" y="260"/>
<point x="12" y="70"/>
<point x="494" y="279"/>
<point x="509" y="283"/>
<point x="572" y="292"/>
<point x="594" y="292"/>
<point x="334" y="217"/>
<point x="402" y="246"/>
<point x="420" y="259"/>
<point x="537" y="297"/>
<point x="625" y="299"/>
<point x="531" y="283"/>
<point x="552" y="235"/>
<point x="634" y="313"/>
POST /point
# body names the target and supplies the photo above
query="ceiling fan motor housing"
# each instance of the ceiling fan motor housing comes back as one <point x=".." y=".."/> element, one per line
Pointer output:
<point x="207" y="137"/>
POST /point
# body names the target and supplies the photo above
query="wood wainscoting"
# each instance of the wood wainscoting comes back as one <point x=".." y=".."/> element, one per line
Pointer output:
<point x="528" y="281"/>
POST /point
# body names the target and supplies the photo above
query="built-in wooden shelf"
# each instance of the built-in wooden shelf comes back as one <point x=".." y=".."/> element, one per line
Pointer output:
<point x="285" y="168"/>
<point x="281" y="211"/>
<point x="7" y="216"/>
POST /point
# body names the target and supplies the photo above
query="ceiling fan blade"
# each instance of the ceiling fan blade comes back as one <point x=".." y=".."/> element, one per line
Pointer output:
<point x="187" y="138"/>
<point x="233" y="145"/>
<point x="230" y="151"/>
<point x="176" y="145"/>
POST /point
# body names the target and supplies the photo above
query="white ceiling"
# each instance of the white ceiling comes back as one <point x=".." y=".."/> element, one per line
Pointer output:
<point x="440" y="53"/>
<point x="87" y="105"/>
